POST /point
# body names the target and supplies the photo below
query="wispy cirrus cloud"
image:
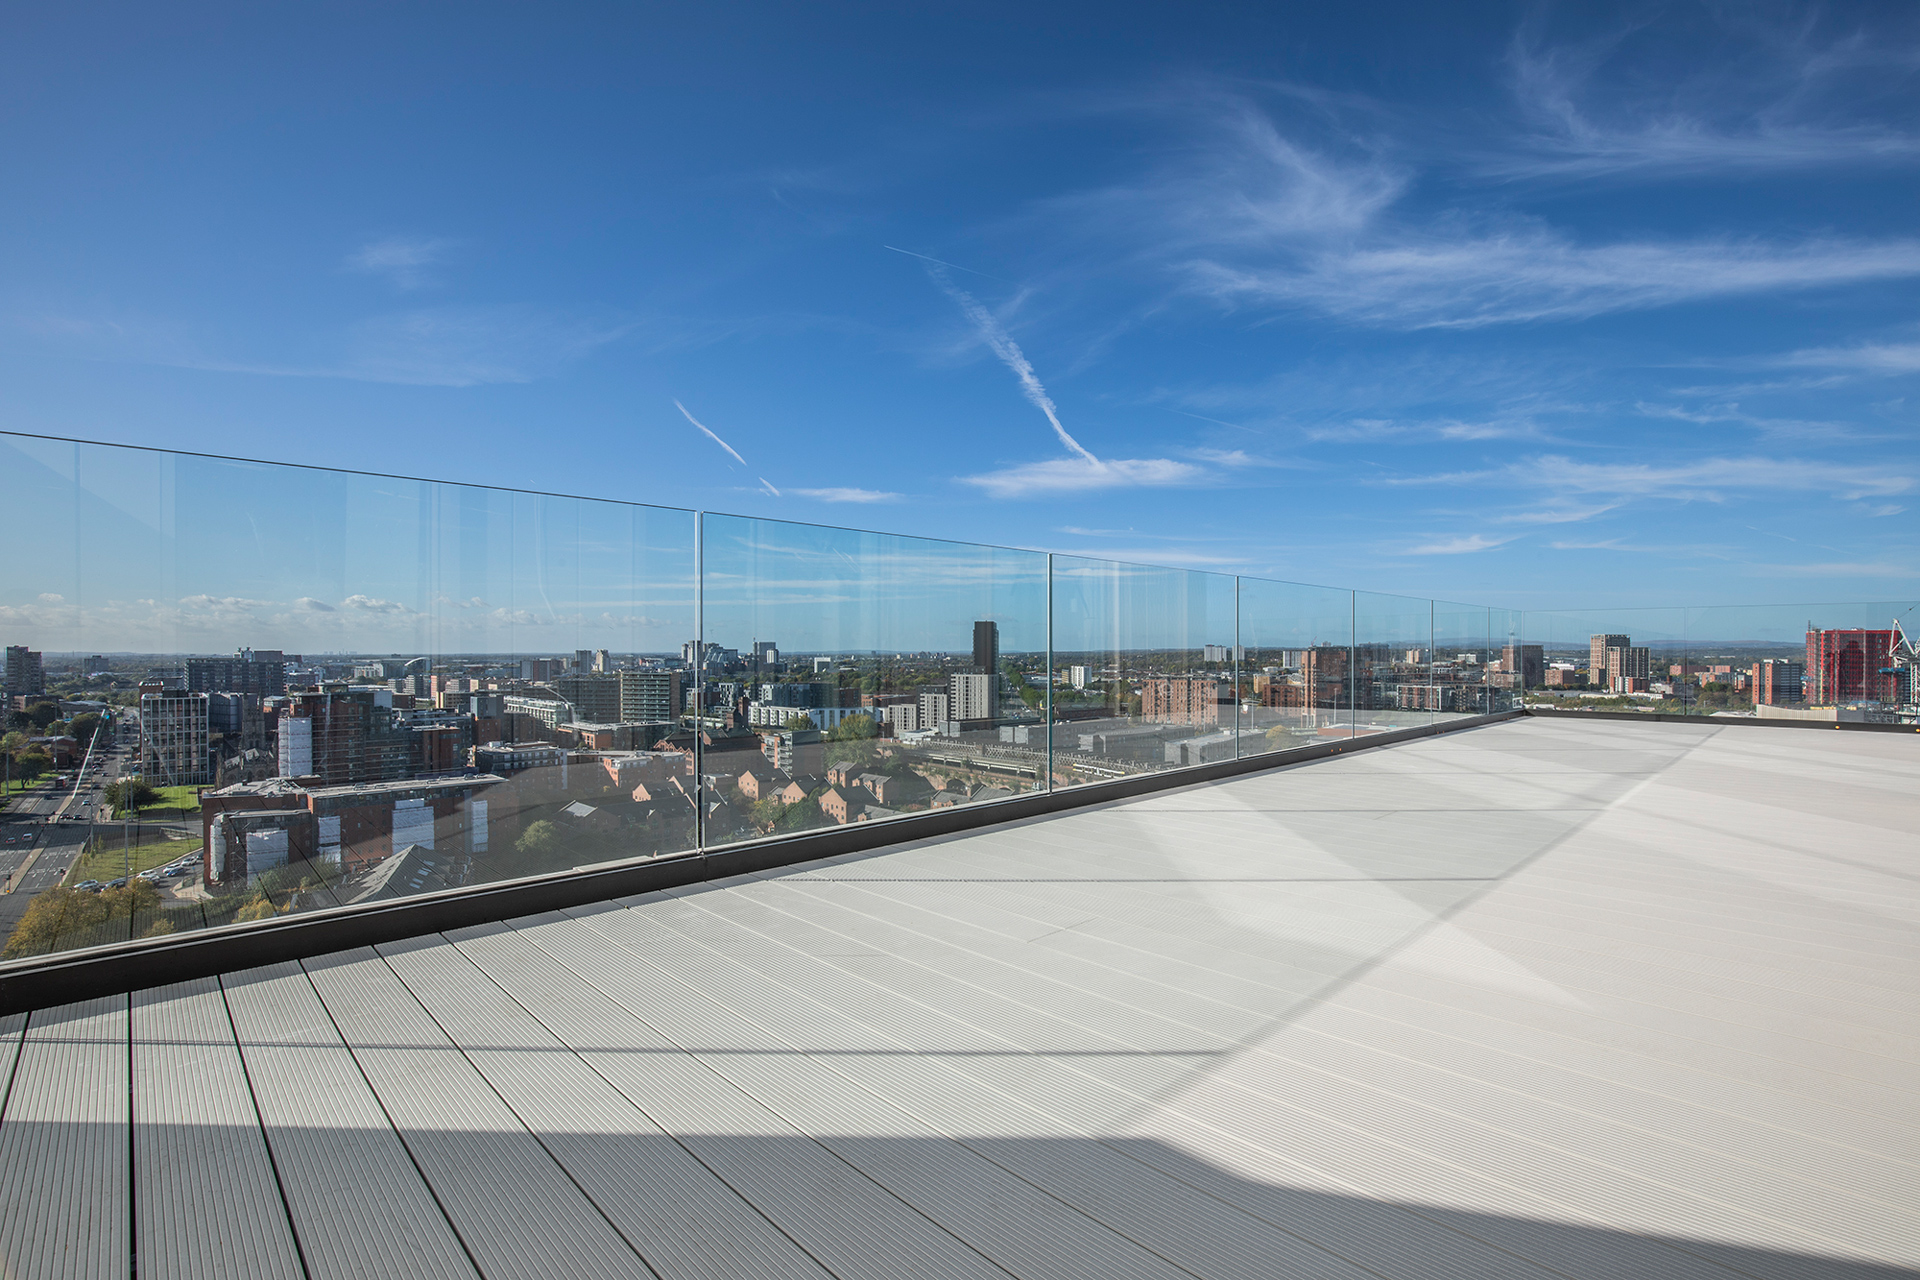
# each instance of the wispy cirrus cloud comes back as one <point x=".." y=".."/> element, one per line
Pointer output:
<point x="1757" y="110"/>
<point x="1845" y="569"/>
<point x="439" y="347"/>
<point x="1251" y="217"/>
<point x="1171" y="556"/>
<point x="1239" y="181"/>
<point x="471" y="346"/>
<point x="1362" y="430"/>
<point x="1771" y="428"/>
<point x="1455" y="546"/>
<point x="1531" y="273"/>
<point x="450" y="346"/>
<point x="1076" y="475"/>
<point x="403" y="260"/>
<point x="1557" y="514"/>
<point x="1890" y="358"/>
<point x="1603" y="544"/>
<point x="849" y="495"/>
<point x="1708" y="479"/>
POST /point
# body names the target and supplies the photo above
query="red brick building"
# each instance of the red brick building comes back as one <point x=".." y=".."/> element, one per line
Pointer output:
<point x="1180" y="700"/>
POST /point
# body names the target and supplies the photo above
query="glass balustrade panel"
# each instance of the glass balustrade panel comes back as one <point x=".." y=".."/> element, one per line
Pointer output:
<point x="1393" y="657"/>
<point x="264" y="690"/>
<point x="851" y="676"/>
<point x="1296" y="671"/>
<point x="1144" y="663"/>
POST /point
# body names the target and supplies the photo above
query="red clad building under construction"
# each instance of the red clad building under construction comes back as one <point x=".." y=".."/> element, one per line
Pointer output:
<point x="1849" y="666"/>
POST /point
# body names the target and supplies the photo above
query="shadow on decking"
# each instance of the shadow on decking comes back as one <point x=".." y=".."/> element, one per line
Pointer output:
<point x="860" y="1206"/>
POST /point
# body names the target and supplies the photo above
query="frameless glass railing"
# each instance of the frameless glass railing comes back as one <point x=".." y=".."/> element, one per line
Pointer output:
<point x="240" y="691"/>
<point x="1842" y="663"/>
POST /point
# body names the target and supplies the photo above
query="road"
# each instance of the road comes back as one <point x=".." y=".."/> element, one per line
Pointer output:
<point x="45" y="830"/>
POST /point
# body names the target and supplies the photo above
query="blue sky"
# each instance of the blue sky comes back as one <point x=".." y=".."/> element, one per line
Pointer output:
<point x="1516" y="305"/>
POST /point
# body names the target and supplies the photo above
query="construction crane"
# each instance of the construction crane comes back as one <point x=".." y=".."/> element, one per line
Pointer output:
<point x="1902" y="652"/>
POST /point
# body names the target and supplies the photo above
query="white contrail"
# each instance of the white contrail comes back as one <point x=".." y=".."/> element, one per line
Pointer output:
<point x="939" y="263"/>
<point x="716" y="439"/>
<point x="768" y="487"/>
<point x="1010" y="355"/>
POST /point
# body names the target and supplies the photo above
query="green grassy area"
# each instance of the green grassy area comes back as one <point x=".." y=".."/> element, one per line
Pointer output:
<point x="106" y="859"/>
<point x="18" y="786"/>
<point x="175" y="803"/>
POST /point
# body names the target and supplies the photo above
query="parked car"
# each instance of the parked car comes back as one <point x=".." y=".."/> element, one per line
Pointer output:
<point x="118" y="882"/>
<point x="89" y="886"/>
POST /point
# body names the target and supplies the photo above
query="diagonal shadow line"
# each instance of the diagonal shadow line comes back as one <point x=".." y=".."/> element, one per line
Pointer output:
<point x="1346" y="978"/>
<point x="1803" y="853"/>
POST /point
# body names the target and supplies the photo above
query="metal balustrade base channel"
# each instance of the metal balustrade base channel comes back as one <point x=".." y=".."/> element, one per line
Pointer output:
<point x="1555" y="999"/>
<point x="67" y="977"/>
<point x="1735" y="722"/>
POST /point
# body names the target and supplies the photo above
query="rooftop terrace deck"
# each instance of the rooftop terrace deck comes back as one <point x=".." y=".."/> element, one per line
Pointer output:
<point x="1536" y="999"/>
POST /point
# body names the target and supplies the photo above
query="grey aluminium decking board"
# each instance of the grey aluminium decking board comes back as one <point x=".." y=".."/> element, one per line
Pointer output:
<point x="64" y="1146"/>
<point x="1579" y="999"/>
<point x="1011" y="1222"/>
<point x="12" y="1027"/>
<point x="516" y="1210"/>
<point x="357" y="1201"/>
<point x="199" y="1155"/>
<point x="963" y="1095"/>
<point x="857" y="1229"/>
<point x="685" y="1221"/>
<point x="1393" y="1242"/>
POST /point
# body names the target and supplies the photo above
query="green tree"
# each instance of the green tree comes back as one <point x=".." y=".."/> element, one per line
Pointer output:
<point x="799" y="721"/>
<point x="51" y="913"/>
<point x="1032" y="695"/>
<point x="12" y="746"/>
<point x="131" y="794"/>
<point x="72" y="917"/>
<point x="854" y="729"/>
<point x="540" y="839"/>
<point x="84" y="726"/>
<point x="260" y="908"/>
<point x="854" y="741"/>
<point x="29" y="765"/>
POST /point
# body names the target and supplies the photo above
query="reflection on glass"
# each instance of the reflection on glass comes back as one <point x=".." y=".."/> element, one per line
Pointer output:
<point x="1522" y="665"/>
<point x="1145" y="664"/>
<point x="1394" y="680"/>
<point x="1477" y="665"/>
<point x="257" y="690"/>
<point x="1824" y="662"/>
<point x="854" y="677"/>
<point x="237" y="691"/>
<point x="1297" y="677"/>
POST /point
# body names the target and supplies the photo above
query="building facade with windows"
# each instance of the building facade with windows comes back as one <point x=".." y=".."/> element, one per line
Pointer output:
<point x="174" y="739"/>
